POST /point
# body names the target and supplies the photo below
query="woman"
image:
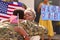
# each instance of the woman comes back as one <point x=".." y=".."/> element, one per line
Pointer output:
<point x="29" y="14"/>
<point x="46" y="23"/>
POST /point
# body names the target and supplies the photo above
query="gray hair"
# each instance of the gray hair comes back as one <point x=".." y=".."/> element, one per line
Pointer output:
<point x="30" y="10"/>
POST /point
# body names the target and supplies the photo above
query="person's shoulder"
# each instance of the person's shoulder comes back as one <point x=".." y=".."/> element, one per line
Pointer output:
<point x="41" y="3"/>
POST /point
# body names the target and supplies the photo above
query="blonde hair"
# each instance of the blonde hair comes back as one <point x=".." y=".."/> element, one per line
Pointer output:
<point x="30" y="10"/>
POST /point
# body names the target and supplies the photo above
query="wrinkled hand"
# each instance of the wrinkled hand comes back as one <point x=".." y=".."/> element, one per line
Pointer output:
<point x="22" y="32"/>
<point x="16" y="29"/>
<point x="27" y="38"/>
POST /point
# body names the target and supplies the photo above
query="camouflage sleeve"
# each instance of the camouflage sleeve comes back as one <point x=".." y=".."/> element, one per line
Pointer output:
<point x="44" y="28"/>
<point x="7" y="25"/>
<point x="33" y="29"/>
<point x="8" y="33"/>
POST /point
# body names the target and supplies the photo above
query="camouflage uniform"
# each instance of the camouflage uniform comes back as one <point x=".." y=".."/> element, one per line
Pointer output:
<point x="31" y="28"/>
<point x="7" y="32"/>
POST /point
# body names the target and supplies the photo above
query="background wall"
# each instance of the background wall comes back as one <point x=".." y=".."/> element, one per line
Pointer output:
<point x="28" y="3"/>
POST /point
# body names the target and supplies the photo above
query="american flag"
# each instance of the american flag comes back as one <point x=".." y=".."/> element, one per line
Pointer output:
<point x="7" y="8"/>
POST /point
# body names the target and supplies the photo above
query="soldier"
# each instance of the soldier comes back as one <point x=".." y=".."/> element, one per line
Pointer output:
<point x="9" y="29"/>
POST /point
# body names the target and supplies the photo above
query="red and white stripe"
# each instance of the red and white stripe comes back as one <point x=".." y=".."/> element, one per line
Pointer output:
<point x="11" y="8"/>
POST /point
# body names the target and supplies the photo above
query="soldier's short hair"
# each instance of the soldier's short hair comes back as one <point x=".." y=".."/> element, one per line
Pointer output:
<point x="19" y="13"/>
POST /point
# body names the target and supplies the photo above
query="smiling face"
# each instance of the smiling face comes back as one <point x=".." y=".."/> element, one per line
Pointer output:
<point x="28" y="16"/>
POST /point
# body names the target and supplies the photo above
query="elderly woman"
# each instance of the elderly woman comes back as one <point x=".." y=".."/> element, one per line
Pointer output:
<point x="29" y="14"/>
<point x="35" y="30"/>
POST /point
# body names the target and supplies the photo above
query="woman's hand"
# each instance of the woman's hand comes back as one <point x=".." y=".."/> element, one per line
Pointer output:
<point x="27" y="38"/>
<point x="22" y="32"/>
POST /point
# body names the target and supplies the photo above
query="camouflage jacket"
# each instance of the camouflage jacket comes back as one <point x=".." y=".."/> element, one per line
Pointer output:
<point x="31" y="28"/>
<point x="7" y="32"/>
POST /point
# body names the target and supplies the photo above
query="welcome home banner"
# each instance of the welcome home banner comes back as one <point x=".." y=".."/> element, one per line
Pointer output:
<point x="50" y="12"/>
